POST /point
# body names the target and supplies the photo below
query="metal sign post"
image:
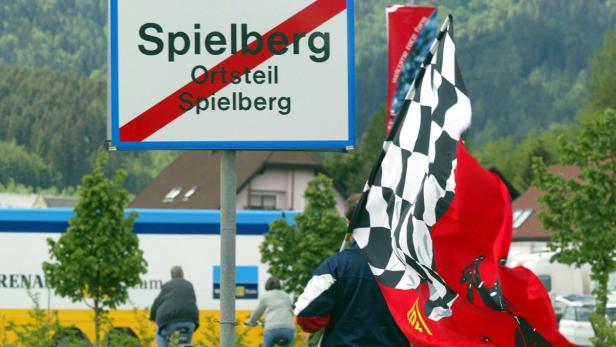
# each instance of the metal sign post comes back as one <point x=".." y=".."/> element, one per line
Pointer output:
<point x="231" y="75"/>
<point x="227" y="248"/>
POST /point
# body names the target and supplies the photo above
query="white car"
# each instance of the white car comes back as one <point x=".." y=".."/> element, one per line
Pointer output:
<point x="575" y="321"/>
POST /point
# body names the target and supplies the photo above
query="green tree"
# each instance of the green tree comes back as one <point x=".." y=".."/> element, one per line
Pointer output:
<point x="27" y="168"/>
<point x="98" y="258"/>
<point x="602" y="81"/>
<point x="292" y="253"/>
<point x="582" y="211"/>
<point x="351" y="170"/>
<point x="43" y="330"/>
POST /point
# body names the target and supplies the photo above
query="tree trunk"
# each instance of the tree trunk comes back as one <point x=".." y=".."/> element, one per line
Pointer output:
<point x="601" y="293"/>
<point x="97" y="324"/>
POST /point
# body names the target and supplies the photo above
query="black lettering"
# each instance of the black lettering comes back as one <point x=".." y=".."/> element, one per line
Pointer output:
<point x="149" y="38"/>
<point x="197" y="77"/>
<point x="38" y="281"/>
<point x="215" y="38"/>
<point x="187" y="99"/>
<point x="202" y="104"/>
<point x="296" y="38"/>
<point x="236" y="77"/>
<point x="257" y="43"/>
<point x="212" y="76"/>
<point x="173" y="50"/>
<point x="258" y="77"/>
<point x="278" y="39"/>
<point x="243" y="98"/>
<point x="223" y="72"/>
<point x="284" y="105"/>
<point x="3" y="280"/>
<point x="13" y="281"/>
<point x="197" y="39"/>
<point x="260" y="103"/>
<point x="26" y="281"/>
<point x="323" y="48"/>
<point x="247" y="76"/>
<point x="233" y="38"/>
<point x="223" y="103"/>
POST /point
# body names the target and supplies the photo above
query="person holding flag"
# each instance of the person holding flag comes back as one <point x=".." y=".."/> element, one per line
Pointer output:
<point x="434" y="226"/>
<point x="343" y="298"/>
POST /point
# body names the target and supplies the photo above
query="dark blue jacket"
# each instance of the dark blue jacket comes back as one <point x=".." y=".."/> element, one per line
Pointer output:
<point x="343" y="296"/>
<point x="175" y="303"/>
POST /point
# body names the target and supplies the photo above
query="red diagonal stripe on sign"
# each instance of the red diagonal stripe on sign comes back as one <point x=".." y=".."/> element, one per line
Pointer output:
<point x="166" y="110"/>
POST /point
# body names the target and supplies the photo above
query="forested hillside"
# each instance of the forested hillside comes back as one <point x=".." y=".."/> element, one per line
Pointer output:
<point x="525" y="63"/>
<point x="59" y="34"/>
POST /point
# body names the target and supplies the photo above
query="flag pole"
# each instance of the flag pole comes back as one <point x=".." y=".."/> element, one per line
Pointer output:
<point x="442" y="30"/>
<point x="347" y="241"/>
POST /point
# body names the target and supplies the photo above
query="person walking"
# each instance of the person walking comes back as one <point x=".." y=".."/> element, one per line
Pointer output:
<point x="174" y="308"/>
<point x="343" y="297"/>
<point x="275" y="304"/>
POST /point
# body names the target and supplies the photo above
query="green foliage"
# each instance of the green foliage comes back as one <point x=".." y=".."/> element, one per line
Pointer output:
<point x="59" y="130"/>
<point x="515" y="160"/>
<point x="61" y="34"/>
<point x="582" y="211"/>
<point x="209" y="333"/>
<point x="524" y="62"/>
<point x="292" y="253"/>
<point x="43" y="330"/>
<point x="121" y="337"/>
<point x="602" y="81"/>
<point x="98" y="258"/>
<point x="63" y="125"/>
<point x="605" y="332"/>
<point x="350" y="170"/>
<point x="29" y="168"/>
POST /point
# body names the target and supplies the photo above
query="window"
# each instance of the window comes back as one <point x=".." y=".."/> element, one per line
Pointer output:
<point x="569" y="313"/>
<point x="189" y="193"/>
<point x="173" y="193"/>
<point x="262" y="201"/>
<point x="520" y="216"/>
<point x="546" y="280"/>
<point x="583" y="313"/>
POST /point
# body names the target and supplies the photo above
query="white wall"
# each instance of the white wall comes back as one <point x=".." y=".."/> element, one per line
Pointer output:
<point x="23" y="253"/>
<point x="288" y="185"/>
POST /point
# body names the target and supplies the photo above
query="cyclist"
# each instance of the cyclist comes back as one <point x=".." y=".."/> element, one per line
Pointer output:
<point x="175" y="308"/>
<point x="276" y="305"/>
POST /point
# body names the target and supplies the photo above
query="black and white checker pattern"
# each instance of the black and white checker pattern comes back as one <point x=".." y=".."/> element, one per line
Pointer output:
<point x="413" y="183"/>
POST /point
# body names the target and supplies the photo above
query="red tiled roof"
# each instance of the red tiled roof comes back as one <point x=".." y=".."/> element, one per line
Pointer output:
<point x="202" y="169"/>
<point x="531" y="228"/>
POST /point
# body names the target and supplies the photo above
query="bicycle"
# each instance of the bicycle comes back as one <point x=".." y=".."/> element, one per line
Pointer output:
<point x="278" y="341"/>
<point x="180" y="337"/>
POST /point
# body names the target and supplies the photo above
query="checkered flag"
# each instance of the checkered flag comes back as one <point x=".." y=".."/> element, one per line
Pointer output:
<point x="413" y="183"/>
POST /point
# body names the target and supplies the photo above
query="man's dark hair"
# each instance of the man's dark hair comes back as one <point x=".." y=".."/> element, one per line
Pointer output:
<point x="272" y="283"/>
<point x="351" y="203"/>
<point x="177" y="272"/>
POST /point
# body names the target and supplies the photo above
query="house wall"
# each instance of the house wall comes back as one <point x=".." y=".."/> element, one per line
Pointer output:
<point x="288" y="185"/>
<point x="526" y="247"/>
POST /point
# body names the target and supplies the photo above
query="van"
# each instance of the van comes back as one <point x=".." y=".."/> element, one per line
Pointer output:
<point x="575" y="323"/>
<point x="557" y="278"/>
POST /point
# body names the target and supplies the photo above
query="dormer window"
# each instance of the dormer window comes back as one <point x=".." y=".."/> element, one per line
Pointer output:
<point x="520" y="216"/>
<point x="262" y="201"/>
<point x="189" y="193"/>
<point x="173" y="193"/>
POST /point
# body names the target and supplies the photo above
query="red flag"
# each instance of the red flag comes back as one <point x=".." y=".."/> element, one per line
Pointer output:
<point x="435" y="226"/>
<point x="410" y="30"/>
<point x="478" y="224"/>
